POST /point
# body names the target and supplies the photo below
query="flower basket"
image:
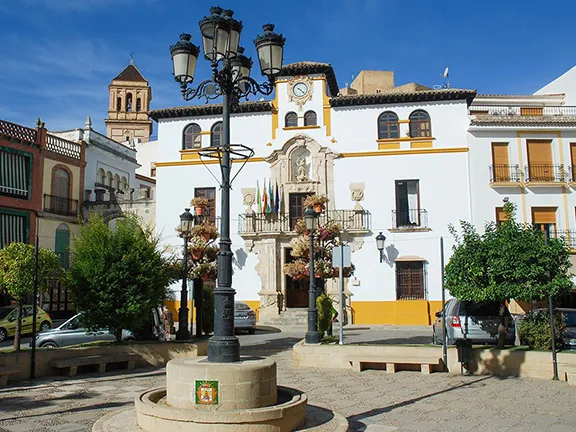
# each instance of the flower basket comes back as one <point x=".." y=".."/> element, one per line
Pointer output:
<point x="197" y="254"/>
<point x="200" y="204"/>
<point x="205" y="231"/>
<point x="317" y="202"/>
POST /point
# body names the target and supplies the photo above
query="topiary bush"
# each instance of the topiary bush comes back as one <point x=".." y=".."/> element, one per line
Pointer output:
<point x="326" y="311"/>
<point x="208" y="310"/>
<point x="534" y="330"/>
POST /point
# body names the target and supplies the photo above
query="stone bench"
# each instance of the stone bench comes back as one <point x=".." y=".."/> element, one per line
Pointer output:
<point x="426" y="364"/>
<point x="72" y="364"/>
<point x="5" y="372"/>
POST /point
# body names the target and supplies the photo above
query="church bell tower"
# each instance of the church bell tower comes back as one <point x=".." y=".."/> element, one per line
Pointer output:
<point x="130" y="96"/>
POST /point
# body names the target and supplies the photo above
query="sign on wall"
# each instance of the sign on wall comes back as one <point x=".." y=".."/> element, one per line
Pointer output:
<point x="206" y="392"/>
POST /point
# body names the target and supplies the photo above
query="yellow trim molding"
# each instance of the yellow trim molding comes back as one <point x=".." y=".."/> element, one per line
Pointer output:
<point x="189" y="155"/>
<point x="383" y="140"/>
<point x="275" y="112"/>
<point x="421" y="144"/>
<point x="327" y="111"/>
<point x="201" y="162"/>
<point x="205" y="132"/>
<point x="301" y="127"/>
<point x="403" y="121"/>
<point x="522" y="191"/>
<point x="389" y="146"/>
<point x="407" y="152"/>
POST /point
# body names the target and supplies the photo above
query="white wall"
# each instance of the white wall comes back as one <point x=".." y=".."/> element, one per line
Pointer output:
<point x="566" y="83"/>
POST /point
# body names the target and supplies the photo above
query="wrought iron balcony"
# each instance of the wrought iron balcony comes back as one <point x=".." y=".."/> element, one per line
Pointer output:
<point x="61" y="206"/>
<point x="545" y="173"/>
<point x="569" y="236"/>
<point x="409" y="219"/>
<point x="519" y="110"/>
<point x="349" y="220"/>
<point x="505" y="173"/>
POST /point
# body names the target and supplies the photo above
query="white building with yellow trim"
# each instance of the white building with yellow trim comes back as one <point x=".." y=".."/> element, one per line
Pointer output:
<point x="390" y="159"/>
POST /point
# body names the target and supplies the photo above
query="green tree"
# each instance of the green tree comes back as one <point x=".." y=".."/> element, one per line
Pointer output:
<point x="118" y="274"/>
<point x="17" y="275"/>
<point x="509" y="261"/>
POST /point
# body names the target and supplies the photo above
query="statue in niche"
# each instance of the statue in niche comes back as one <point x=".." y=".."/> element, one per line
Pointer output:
<point x="301" y="169"/>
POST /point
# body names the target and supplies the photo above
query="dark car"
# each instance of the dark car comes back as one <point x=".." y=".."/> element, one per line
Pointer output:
<point x="570" y="319"/>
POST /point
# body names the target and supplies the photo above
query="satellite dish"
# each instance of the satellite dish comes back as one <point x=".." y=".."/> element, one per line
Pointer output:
<point x="445" y="74"/>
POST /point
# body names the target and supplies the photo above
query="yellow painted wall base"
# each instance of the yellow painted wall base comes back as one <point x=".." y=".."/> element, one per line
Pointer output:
<point x="400" y="312"/>
<point x="174" y="305"/>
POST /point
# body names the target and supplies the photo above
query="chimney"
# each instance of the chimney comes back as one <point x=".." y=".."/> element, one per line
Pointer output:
<point x="40" y="133"/>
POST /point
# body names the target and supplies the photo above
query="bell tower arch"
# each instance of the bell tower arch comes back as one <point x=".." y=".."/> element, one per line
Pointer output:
<point x="130" y="97"/>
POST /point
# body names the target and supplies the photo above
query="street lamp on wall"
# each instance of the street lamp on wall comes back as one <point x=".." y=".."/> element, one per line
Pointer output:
<point x="380" y="239"/>
<point x="230" y="80"/>
<point x="186" y="225"/>
<point x="312" y="335"/>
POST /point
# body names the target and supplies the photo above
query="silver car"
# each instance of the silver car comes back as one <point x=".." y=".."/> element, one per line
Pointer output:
<point x="244" y="317"/>
<point x="478" y="321"/>
<point x="72" y="333"/>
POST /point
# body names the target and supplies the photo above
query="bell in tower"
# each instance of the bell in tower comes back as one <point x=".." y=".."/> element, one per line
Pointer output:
<point x="130" y="96"/>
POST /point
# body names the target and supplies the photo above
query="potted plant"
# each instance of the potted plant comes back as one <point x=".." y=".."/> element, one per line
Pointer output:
<point x="197" y="248"/>
<point x="206" y="231"/>
<point x="199" y="203"/>
<point x="317" y="202"/>
<point x="296" y="270"/>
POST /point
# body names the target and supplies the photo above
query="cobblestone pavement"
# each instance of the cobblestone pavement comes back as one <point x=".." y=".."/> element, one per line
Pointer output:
<point x="373" y="401"/>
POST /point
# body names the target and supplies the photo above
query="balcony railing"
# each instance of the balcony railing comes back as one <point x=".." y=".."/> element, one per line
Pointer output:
<point x="61" y="206"/>
<point x="569" y="236"/>
<point x="16" y="131"/>
<point x="64" y="147"/>
<point x="409" y="219"/>
<point x="545" y="173"/>
<point x="504" y="173"/>
<point x="349" y="220"/>
<point x="518" y="110"/>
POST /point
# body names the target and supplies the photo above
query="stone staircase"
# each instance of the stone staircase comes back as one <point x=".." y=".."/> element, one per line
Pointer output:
<point x="292" y="317"/>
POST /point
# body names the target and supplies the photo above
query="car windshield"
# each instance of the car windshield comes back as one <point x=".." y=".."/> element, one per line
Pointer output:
<point x="481" y="309"/>
<point x="241" y="306"/>
<point x="5" y="311"/>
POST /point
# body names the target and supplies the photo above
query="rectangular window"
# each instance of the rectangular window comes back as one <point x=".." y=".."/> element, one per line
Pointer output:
<point x="296" y="208"/>
<point x="407" y="212"/>
<point x="573" y="161"/>
<point x="500" y="163"/>
<point x="544" y="219"/>
<point x="540" y="166"/>
<point x="410" y="280"/>
<point x="14" y="227"/>
<point x="210" y="195"/>
<point x="500" y="215"/>
<point x="15" y="173"/>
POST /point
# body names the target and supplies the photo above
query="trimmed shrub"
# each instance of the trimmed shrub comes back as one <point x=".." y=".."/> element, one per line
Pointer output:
<point x="325" y="312"/>
<point x="534" y="330"/>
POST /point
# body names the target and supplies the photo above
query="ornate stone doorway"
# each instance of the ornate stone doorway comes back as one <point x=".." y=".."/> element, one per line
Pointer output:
<point x="296" y="290"/>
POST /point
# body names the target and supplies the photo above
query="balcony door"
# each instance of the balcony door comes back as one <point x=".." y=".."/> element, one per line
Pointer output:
<point x="540" y="166"/>
<point x="61" y="199"/>
<point x="210" y="195"/>
<point x="407" y="203"/>
<point x="296" y="208"/>
<point x="500" y="164"/>
<point x="296" y="290"/>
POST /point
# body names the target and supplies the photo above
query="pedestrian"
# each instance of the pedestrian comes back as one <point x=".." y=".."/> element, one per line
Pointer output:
<point x="168" y="319"/>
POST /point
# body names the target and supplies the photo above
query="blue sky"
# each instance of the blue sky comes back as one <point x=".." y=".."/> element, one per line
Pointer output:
<point x="57" y="57"/>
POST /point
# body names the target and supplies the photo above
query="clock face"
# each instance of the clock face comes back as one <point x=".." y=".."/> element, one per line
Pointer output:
<point x="300" y="89"/>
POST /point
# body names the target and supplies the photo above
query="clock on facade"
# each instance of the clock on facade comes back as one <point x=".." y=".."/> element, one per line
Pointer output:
<point x="300" y="89"/>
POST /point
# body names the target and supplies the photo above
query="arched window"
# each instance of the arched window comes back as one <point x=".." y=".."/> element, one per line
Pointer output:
<point x="119" y="104"/>
<point x="192" y="137"/>
<point x="310" y="118"/>
<point x="129" y="102"/>
<point x="388" y="125"/>
<point x="138" y="104"/>
<point x="216" y="138"/>
<point x="116" y="184"/>
<point x="60" y="201"/>
<point x="101" y="177"/>
<point x="420" y="124"/>
<point x="291" y="120"/>
<point x="109" y="179"/>
<point x="123" y="184"/>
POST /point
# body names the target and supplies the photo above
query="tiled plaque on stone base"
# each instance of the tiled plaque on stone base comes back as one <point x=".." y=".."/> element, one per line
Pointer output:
<point x="206" y="392"/>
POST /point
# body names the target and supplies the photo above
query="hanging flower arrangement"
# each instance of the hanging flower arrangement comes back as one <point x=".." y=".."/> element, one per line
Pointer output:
<point x="317" y="202"/>
<point x="206" y="231"/>
<point x="330" y="231"/>
<point x="297" y="270"/>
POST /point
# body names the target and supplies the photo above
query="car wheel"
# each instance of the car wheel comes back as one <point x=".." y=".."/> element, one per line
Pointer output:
<point x="49" y="345"/>
<point x="435" y="340"/>
<point x="3" y="334"/>
<point x="251" y="331"/>
<point x="45" y="326"/>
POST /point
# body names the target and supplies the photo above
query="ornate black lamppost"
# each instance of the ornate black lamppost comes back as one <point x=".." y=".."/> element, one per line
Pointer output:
<point x="231" y="80"/>
<point x="380" y="239"/>
<point x="312" y="335"/>
<point x="186" y="224"/>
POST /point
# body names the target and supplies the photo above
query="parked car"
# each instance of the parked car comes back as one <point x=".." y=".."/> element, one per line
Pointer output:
<point x="570" y="318"/>
<point x="72" y="332"/>
<point x="478" y="321"/>
<point x="244" y="317"/>
<point x="8" y="316"/>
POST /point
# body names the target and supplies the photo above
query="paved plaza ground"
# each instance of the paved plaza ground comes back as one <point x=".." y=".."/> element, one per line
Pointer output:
<point x="373" y="401"/>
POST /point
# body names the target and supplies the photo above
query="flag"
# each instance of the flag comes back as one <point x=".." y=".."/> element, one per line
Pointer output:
<point x="270" y="203"/>
<point x="277" y="201"/>
<point x="264" y="198"/>
<point x="258" y="197"/>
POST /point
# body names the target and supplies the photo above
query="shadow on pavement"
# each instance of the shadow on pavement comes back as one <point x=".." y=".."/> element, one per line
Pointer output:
<point x="355" y="420"/>
<point x="271" y="346"/>
<point x="412" y="340"/>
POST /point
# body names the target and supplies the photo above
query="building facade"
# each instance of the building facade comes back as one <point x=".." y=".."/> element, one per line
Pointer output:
<point x="385" y="160"/>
